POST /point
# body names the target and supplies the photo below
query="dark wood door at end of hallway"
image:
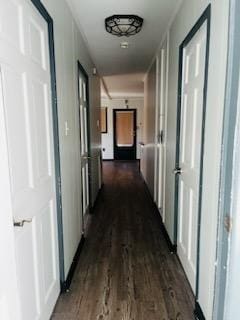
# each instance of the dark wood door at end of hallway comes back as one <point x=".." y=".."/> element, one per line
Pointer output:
<point x="126" y="271"/>
<point x="125" y="134"/>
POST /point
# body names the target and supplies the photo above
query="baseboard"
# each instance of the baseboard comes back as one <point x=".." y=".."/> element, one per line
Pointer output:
<point x="66" y="284"/>
<point x="198" y="313"/>
<point x="107" y="160"/>
<point x="172" y="247"/>
<point x="92" y="208"/>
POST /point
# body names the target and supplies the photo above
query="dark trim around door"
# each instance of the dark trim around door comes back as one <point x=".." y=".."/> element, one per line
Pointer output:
<point x="43" y="12"/>
<point x="205" y="18"/>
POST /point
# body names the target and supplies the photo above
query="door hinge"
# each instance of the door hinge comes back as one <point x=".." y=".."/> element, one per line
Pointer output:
<point x="228" y="223"/>
<point x="160" y="137"/>
<point x="177" y="171"/>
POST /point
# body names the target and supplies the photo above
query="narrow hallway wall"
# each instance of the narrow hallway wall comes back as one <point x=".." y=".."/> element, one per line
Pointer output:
<point x="70" y="47"/>
<point x="187" y="15"/>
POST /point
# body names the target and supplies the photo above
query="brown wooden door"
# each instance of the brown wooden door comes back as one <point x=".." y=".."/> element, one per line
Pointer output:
<point x="124" y="134"/>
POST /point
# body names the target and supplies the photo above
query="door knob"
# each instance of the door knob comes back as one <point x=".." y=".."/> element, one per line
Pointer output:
<point x="177" y="171"/>
<point x="161" y="137"/>
<point x="21" y="223"/>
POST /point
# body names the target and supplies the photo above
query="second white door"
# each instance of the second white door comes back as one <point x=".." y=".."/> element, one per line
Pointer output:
<point x="193" y="75"/>
<point x="84" y="146"/>
<point x="161" y="116"/>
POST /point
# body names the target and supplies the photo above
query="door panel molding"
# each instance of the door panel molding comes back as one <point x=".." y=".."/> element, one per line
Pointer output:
<point x="205" y="18"/>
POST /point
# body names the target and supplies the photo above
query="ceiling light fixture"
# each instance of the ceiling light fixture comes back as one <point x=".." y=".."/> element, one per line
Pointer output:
<point x="123" y="25"/>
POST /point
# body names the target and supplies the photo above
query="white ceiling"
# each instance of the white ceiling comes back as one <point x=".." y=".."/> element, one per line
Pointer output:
<point x="124" y="85"/>
<point x="104" y="48"/>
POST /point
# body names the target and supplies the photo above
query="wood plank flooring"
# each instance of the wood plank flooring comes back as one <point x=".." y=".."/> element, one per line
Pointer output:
<point x="126" y="271"/>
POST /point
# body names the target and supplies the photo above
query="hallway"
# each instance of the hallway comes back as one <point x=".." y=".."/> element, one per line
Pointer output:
<point x="126" y="271"/>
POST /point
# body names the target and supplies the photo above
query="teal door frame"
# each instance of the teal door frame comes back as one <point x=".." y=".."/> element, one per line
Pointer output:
<point x="226" y="238"/>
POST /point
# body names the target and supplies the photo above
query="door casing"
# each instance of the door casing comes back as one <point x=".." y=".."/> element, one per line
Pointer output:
<point x="43" y="12"/>
<point x="205" y="18"/>
<point x="228" y="144"/>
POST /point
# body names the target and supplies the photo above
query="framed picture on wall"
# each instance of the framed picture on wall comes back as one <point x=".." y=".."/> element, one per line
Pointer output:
<point x="104" y="127"/>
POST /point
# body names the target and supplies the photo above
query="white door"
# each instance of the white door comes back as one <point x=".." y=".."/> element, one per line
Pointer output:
<point x="83" y="105"/>
<point x="194" y="55"/>
<point x="157" y="130"/>
<point x="27" y="108"/>
<point x="161" y="129"/>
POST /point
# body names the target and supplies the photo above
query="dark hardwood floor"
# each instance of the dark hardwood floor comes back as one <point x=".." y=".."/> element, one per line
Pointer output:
<point x="126" y="271"/>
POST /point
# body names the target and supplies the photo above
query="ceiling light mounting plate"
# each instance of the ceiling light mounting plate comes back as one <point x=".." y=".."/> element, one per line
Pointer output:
<point x="124" y="45"/>
<point x="123" y="25"/>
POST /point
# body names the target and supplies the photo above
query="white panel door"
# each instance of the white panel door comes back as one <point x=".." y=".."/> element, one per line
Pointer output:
<point x="194" y="55"/>
<point x="83" y="114"/>
<point x="157" y="130"/>
<point x="161" y="116"/>
<point x="26" y="90"/>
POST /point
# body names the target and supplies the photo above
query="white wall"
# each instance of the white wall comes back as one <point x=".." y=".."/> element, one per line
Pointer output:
<point x="70" y="47"/>
<point x="186" y="17"/>
<point x="107" y="138"/>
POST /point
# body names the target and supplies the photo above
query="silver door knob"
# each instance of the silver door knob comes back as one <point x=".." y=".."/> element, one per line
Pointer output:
<point x="177" y="171"/>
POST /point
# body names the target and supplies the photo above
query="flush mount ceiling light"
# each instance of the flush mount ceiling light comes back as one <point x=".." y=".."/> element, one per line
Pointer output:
<point x="123" y="25"/>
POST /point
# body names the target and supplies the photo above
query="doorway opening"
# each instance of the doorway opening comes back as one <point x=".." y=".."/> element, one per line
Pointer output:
<point x="124" y="126"/>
